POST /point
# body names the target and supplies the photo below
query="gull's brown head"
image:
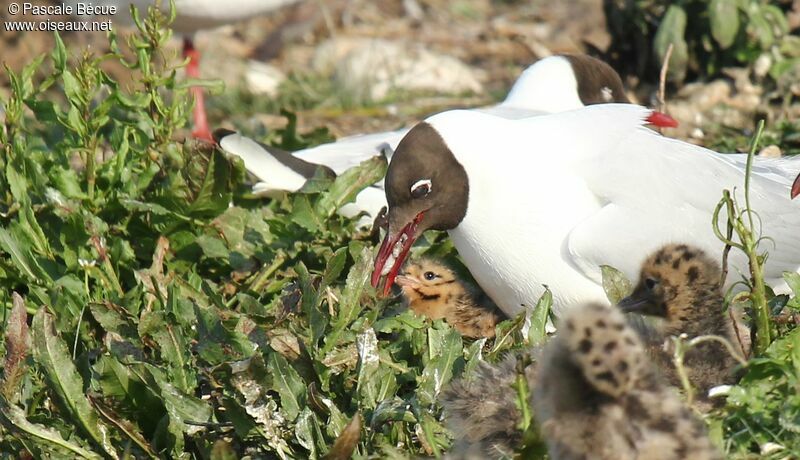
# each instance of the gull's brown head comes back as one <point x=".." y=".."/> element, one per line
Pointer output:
<point x="426" y="188"/>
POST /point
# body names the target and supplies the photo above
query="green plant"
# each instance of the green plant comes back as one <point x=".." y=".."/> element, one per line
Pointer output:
<point x="741" y="221"/>
<point x="706" y="36"/>
<point x="172" y="314"/>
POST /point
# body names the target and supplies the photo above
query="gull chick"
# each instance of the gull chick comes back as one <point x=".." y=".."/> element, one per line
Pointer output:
<point x="434" y="290"/>
<point x="681" y="285"/>
<point x="597" y="395"/>
<point x="482" y="413"/>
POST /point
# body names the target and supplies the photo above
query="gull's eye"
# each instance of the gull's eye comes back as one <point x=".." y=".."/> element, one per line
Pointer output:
<point x="429" y="276"/>
<point x="650" y="283"/>
<point x="421" y="188"/>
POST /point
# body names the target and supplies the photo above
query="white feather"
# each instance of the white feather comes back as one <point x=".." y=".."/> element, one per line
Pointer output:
<point x="562" y="194"/>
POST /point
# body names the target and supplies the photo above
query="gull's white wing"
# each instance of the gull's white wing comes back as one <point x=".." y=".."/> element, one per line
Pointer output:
<point x="265" y="164"/>
<point x="348" y="152"/>
<point x="655" y="190"/>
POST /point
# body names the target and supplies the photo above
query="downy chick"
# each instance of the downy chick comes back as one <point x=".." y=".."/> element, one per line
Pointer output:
<point x="434" y="290"/>
<point x="482" y="413"/>
<point x="680" y="284"/>
<point x="597" y="395"/>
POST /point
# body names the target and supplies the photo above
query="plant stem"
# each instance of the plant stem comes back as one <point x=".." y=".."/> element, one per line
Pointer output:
<point x="758" y="294"/>
<point x="523" y="392"/>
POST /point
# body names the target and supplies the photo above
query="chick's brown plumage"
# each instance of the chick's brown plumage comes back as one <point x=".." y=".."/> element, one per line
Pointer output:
<point x="681" y="285"/>
<point x="434" y="290"/>
<point x="596" y="395"/>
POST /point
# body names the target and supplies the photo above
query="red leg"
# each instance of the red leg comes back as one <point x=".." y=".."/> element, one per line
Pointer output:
<point x="200" y="130"/>
<point x="796" y="187"/>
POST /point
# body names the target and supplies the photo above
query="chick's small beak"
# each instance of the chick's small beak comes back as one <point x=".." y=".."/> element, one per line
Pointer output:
<point x="406" y="281"/>
<point x="393" y="253"/>
<point x="634" y="303"/>
<point x="796" y="187"/>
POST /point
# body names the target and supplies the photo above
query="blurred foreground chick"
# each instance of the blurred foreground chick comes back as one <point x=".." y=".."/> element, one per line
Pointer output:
<point x="482" y="411"/>
<point x="596" y="395"/>
<point x="681" y="284"/>
<point x="432" y="289"/>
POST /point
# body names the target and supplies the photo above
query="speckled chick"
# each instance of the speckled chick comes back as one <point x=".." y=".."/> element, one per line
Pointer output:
<point x="680" y="284"/>
<point x="434" y="290"/>
<point x="482" y="412"/>
<point x="596" y="395"/>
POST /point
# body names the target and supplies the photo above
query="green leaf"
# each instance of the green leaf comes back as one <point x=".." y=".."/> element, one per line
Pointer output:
<point x="334" y="266"/>
<point x="40" y="433"/>
<point x="34" y="231"/>
<point x="173" y="346"/>
<point x="373" y="381"/>
<point x="355" y="287"/>
<point x="350" y="183"/>
<point x="793" y="281"/>
<point x="672" y="30"/>
<point x="724" y="18"/>
<point x="17" y="345"/>
<point x="214" y="194"/>
<point x="760" y="28"/>
<point x="615" y="284"/>
<point x="304" y="215"/>
<point x="59" y="54"/>
<point x="538" y="318"/>
<point x="17" y="184"/>
<point x="350" y="302"/>
<point x="288" y="384"/>
<point x="22" y="258"/>
<point x="52" y="356"/>
<point x="125" y="427"/>
<point x="213" y="247"/>
<point x="445" y="349"/>
<point x="141" y="206"/>
<point x="185" y="411"/>
<point x="308" y="433"/>
<point x="774" y="15"/>
<point x="67" y="182"/>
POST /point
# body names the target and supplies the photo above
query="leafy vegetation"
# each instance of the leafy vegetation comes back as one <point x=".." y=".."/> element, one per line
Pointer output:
<point x="173" y="315"/>
<point x="706" y="36"/>
<point x="153" y="308"/>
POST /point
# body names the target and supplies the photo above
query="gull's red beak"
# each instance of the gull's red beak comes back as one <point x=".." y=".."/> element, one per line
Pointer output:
<point x="796" y="187"/>
<point x="394" y="249"/>
<point x="662" y="120"/>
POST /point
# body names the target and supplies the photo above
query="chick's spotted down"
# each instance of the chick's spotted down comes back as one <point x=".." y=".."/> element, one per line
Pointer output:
<point x="681" y="285"/>
<point x="482" y="412"/>
<point x="598" y="396"/>
<point x="434" y="290"/>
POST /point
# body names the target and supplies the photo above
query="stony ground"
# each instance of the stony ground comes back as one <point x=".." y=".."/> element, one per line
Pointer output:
<point x="360" y="66"/>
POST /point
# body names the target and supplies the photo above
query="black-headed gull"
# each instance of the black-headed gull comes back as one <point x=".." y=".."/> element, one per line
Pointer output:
<point x="544" y="201"/>
<point x="552" y="84"/>
<point x="192" y="16"/>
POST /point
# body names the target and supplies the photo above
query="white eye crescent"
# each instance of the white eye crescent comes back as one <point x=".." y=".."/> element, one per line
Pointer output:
<point x="607" y="93"/>
<point x="421" y="188"/>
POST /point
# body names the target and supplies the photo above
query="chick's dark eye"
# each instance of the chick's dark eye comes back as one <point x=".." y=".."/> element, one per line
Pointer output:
<point x="650" y="283"/>
<point x="429" y="275"/>
<point x="421" y="188"/>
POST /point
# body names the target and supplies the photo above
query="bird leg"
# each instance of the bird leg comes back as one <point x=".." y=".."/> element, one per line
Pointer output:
<point x="201" y="130"/>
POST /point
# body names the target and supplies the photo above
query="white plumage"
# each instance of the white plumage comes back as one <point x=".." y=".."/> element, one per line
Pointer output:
<point x="554" y="197"/>
<point x="547" y="86"/>
<point x="195" y="15"/>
